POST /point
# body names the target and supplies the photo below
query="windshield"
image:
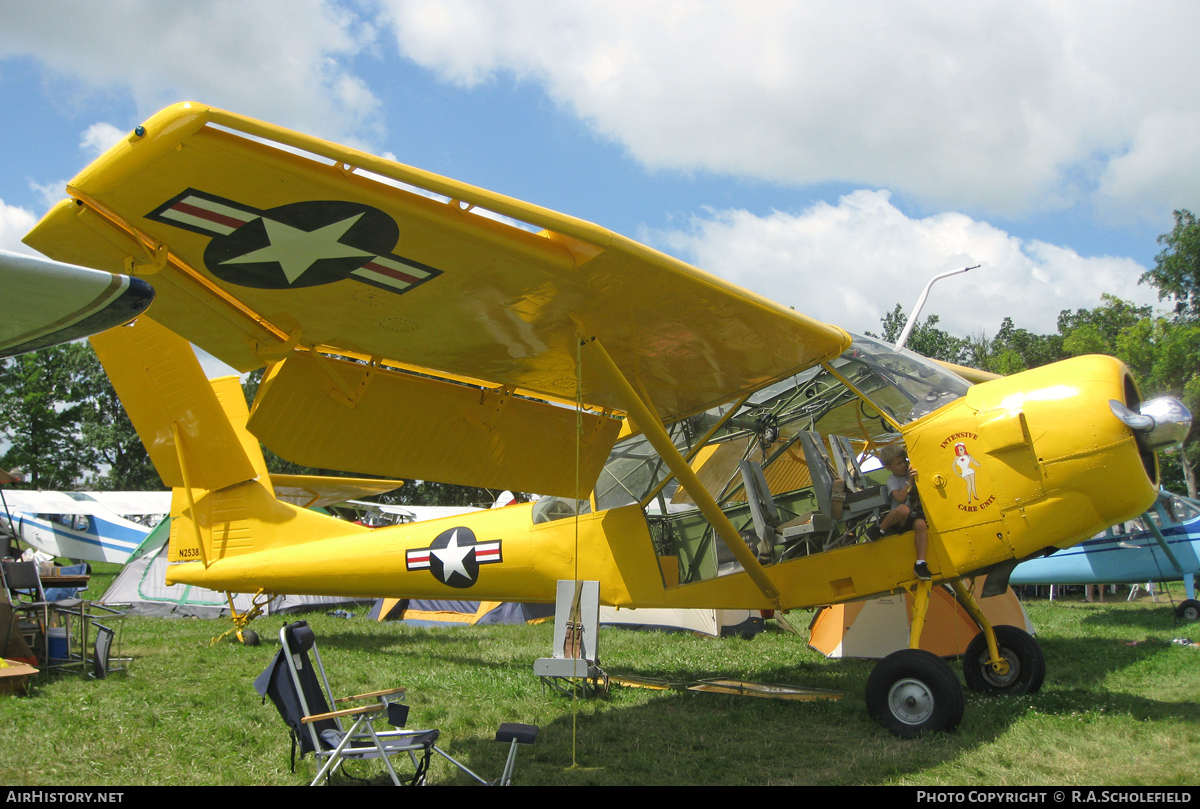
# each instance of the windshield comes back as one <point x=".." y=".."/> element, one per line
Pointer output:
<point x="907" y="385"/>
<point x="766" y="426"/>
<point x="781" y="432"/>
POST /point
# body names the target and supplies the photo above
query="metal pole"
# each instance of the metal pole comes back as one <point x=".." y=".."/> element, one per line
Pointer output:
<point x="912" y="319"/>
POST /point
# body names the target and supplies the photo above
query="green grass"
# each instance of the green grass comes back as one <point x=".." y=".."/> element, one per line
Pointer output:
<point x="1109" y="713"/>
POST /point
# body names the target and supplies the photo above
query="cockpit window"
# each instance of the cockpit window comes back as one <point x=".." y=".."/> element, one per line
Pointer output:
<point x="907" y="385"/>
<point x="778" y="430"/>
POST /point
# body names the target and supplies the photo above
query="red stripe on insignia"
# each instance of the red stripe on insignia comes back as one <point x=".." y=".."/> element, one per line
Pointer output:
<point x="388" y="271"/>
<point x="211" y="216"/>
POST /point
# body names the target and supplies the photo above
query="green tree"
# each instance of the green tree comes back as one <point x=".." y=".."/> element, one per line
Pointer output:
<point x="1162" y="353"/>
<point x="926" y="338"/>
<point x="1097" y="331"/>
<point x="1176" y="273"/>
<point x="41" y="396"/>
<point x="1165" y="352"/>
<point x="429" y="493"/>
<point x="66" y="424"/>
<point x="105" y="427"/>
<point x="1013" y="350"/>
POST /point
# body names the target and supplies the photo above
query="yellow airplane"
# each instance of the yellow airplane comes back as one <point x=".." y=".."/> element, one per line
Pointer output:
<point x="697" y="445"/>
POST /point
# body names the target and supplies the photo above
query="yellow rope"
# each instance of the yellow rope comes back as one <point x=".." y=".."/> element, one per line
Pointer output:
<point x="578" y="440"/>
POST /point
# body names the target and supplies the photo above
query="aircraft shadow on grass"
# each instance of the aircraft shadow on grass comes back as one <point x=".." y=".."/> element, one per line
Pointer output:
<point x="683" y="733"/>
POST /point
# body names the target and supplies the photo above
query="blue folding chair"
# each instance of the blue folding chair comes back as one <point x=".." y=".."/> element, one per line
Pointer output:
<point x="298" y="686"/>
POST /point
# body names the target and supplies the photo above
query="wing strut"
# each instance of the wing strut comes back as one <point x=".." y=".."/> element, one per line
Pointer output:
<point x="1162" y="542"/>
<point x="652" y="428"/>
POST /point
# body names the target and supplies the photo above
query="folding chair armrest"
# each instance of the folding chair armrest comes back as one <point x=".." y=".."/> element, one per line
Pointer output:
<point x="376" y="708"/>
<point x="515" y="732"/>
<point x="372" y="695"/>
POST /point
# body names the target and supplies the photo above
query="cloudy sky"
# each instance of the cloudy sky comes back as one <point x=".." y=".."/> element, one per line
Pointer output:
<point x="832" y="156"/>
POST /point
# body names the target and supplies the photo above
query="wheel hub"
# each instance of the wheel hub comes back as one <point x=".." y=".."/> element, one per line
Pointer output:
<point x="911" y="701"/>
<point x="1001" y="676"/>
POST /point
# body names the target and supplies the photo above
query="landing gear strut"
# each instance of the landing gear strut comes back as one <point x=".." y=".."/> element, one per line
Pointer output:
<point x="913" y="692"/>
<point x="241" y="621"/>
<point x="1022" y="669"/>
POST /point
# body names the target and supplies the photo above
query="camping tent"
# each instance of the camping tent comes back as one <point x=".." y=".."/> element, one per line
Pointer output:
<point x="717" y="623"/>
<point x="142" y="585"/>
<point x="429" y="612"/>
<point x="879" y="626"/>
<point x="421" y="612"/>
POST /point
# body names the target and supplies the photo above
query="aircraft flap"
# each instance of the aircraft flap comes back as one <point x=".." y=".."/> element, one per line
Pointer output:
<point x="402" y="424"/>
<point x="163" y="388"/>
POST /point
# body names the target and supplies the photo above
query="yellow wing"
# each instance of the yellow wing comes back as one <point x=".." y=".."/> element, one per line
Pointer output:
<point x="435" y="324"/>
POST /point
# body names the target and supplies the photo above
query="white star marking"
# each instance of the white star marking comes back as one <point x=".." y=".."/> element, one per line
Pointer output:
<point x="296" y="250"/>
<point x="452" y="557"/>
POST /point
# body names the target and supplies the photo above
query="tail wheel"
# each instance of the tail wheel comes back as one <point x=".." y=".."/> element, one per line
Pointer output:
<point x="1026" y="664"/>
<point x="913" y="692"/>
<point x="1188" y="610"/>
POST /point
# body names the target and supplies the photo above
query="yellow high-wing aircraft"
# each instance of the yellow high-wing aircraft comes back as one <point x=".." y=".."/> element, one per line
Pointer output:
<point x="696" y="443"/>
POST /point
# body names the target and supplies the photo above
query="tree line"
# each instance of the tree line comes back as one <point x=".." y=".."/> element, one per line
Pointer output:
<point x="66" y="428"/>
<point x="1161" y="350"/>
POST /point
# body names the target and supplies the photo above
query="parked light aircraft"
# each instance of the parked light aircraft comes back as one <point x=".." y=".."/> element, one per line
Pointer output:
<point x="693" y="440"/>
<point x="1161" y="545"/>
<point x="87" y="526"/>
<point x="44" y="303"/>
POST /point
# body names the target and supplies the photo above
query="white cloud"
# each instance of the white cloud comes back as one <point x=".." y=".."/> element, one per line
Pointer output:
<point x="15" y="222"/>
<point x="1004" y="106"/>
<point x="49" y="194"/>
<point x="279" y="60"/>
<point x="851" y="263"/>
<point x="98" y="137"/>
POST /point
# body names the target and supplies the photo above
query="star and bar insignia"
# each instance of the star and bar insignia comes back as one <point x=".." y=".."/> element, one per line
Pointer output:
<point x="454" y="557"/>
<point x="301" y="244"/>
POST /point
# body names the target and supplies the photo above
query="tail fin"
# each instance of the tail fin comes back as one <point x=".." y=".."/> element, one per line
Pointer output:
<point x="195" y="432"/>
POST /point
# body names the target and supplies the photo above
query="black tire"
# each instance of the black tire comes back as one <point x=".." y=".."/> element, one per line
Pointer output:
<point x="913" y="692"/>
<point x="1026" y="664"/>
<point x="249" y="637"/>
<point x="1188" y="610"/>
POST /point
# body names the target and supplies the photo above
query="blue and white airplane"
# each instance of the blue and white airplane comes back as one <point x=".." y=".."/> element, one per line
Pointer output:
<point x="1162" y="545"/>
<point x="85" y="526"/>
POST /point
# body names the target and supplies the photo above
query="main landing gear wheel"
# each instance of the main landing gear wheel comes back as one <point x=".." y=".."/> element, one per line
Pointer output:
<point x="1026" y="664"/>
<point x="913" y="692"/>
<point x="1188" y="610"/>
<point x="248" y="637"/>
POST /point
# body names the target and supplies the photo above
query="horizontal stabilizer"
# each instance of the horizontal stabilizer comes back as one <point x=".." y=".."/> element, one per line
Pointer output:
<point x="315" y="491"/>
<point x="242" y="519"/>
